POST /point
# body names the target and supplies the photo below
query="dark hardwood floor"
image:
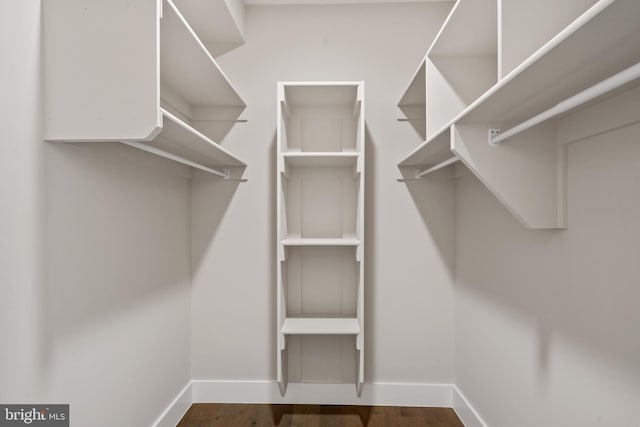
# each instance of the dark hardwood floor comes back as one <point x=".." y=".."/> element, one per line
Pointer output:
<point x="239" y="415"/>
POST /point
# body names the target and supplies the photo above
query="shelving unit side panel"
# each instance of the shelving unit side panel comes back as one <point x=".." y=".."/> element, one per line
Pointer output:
<point x="282" y="365"/>
<point x="101" y="78"/>
<point x="527" y="25"/>
<point x="453" y="83"/>
<point x="523" y="173"/>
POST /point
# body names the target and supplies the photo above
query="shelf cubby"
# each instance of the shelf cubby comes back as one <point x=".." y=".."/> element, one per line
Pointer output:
<point x="320" y="119"/>
<point x="321" y="202"/>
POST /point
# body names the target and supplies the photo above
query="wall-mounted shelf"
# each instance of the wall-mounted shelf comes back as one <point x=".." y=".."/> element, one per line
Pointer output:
<point x="126" y="81"/>
<point x="320" y="326"/>
<point x="320" y="205"/>
<point x="181" y="141"/>
<point x="321" y="159"/>
<point x="298" y="241"/>
<point x="528" y="174"/>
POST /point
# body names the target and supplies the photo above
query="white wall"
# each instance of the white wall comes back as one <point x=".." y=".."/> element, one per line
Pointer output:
<point x="547" y="322"/>
<point x="94" y="259"/>
<point x="409" y="230"/>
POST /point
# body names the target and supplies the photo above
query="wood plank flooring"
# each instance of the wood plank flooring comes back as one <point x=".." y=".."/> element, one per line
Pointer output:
<point x="239" y="415"/>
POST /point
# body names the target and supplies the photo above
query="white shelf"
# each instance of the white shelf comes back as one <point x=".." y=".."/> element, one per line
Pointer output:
<point x="320" y="326"/>
<point x="320" y="158"/>
<point x="431" y="152"/>
<point x="302" y="241"/>
<point x="320" y="93"/>
<point x="187" y="67"/>
<point x="600" y="43"/>
<point x="180" y="139"/>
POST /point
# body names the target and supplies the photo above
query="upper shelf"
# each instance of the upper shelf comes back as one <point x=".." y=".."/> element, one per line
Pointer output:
<point x="320" y="158"/>
<point x="107" y="82"/>
<point x="320" y="326"/>
<point x="583" y="63"/>
<point x="182" y="140"/>
<point x="600" y="43"/>
<point x="320" y="93"/>
<point x="187" y="67"/>
<point x="306" y="241"/>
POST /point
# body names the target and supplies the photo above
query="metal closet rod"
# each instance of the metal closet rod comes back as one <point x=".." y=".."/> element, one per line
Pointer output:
<point x="420" y="174"/>
<point x="224" y="174"/>
<point x="599" y="89"/>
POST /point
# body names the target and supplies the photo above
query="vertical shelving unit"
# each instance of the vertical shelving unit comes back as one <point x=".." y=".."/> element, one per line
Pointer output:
<point x="320" y="281"/>
<point x="135" y="73"/>
<point x="541" y="64"/>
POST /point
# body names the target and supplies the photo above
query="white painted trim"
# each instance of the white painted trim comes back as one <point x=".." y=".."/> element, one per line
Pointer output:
<point x="464" y="410"/>
<point x="177" y="408"/>
<point x="267" y="392"/>
<point x="389" y="394"/>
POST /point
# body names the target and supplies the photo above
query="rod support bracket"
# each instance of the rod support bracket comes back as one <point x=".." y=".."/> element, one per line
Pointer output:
<point x="417" y="174"/>
<point x="493" y="132"/>
<point x="227" y="174"/>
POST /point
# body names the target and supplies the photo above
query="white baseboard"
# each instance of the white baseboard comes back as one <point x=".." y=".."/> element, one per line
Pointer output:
<point x="376" y="394"/>
<point x="465" y="411"/>
<point x="177" y="408"/>
<point x="392" y="394"/>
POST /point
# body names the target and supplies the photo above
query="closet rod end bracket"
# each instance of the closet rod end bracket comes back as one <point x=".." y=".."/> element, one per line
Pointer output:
<point x="493" y="133"/>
